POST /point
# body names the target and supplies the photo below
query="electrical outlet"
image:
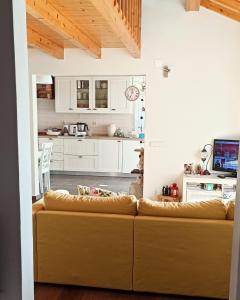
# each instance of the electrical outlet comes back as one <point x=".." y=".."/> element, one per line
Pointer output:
<point x="94" y="123"/>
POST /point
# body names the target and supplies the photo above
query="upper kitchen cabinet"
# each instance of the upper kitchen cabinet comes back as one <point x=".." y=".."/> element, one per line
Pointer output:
<point x="101" y="94"/>
<point x="63" y="94"/>
<point x="119" y="102"/>
<point x="92" y="95"/>
<point x="82" y="94"/>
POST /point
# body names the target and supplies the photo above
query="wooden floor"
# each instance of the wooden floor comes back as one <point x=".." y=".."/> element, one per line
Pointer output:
<point x="59" y="292"/>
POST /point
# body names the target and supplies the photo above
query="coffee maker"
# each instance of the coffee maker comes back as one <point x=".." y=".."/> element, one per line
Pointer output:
<point x="79" y="129"/>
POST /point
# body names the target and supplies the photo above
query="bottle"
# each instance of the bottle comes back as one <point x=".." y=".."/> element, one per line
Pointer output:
<point x="163" y="191"/>
<point x="169" y="191"/>
<point x="166" y="193"/>
<point x="174" y="190"/>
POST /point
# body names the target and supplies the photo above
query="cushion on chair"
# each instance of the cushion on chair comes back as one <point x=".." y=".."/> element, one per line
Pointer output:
<point x="212" y="209"/>
<point x="230" y="209"/>
<point x="125" y="205"/>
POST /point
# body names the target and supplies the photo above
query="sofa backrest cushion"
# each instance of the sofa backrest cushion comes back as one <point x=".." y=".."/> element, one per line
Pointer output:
<point x="124" y="205"/>
<point x="212" y="209"/>
<point x="230" y="209"/>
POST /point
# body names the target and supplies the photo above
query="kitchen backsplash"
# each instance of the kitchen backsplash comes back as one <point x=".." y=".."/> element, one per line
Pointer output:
<point x="97" y="122"/>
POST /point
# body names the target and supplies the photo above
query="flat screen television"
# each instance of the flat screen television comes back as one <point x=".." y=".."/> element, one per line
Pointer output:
<point x="225" y="155"/>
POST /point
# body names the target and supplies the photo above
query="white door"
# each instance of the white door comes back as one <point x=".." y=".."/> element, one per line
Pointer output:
<point x="130" y="156"/>
<point x="80" y="163"/>
<point x="110" y="156"/>
<point x="119" y="102"/>
<point x="80" y="147"/>
<point x="63" y="94"/>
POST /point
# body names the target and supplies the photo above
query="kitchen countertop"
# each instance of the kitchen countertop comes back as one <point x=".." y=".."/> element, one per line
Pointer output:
<point x="93" y="137"/>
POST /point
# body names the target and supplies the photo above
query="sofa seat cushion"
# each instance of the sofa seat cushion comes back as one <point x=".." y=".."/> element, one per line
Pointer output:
<point x="212" y="209"/>
<point x="125" y="205"/>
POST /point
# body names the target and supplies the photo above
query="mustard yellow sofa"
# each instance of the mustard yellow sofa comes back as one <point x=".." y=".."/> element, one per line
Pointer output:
<point x="115" y="248"/>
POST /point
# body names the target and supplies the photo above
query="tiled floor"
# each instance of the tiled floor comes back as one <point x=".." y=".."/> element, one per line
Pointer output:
<point x="70" y="182"/>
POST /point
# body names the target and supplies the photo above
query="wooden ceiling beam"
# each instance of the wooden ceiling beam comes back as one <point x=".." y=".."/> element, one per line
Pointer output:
<point x="36" y="40"/>
<point x="112" y="16"/>
<point x="217" y="7"/>
<point x="45" y="12"/>
<point x="192" y="5"/>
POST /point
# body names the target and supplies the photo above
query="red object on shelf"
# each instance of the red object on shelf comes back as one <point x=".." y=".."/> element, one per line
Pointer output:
<point x="174" y="190"/>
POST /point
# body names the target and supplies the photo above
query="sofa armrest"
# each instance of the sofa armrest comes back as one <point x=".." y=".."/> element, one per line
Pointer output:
<point x="39" y="205"/>
<point x="36" y="207"/>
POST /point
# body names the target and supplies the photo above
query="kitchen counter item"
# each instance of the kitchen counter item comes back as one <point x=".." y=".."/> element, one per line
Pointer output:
<point x="54" y="131"/>
<point x="98" y="137"/>
<point x="111" y="129"/>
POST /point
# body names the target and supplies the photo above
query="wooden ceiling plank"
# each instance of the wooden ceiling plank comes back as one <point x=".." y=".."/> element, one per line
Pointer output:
<point x="192" y="5"/>
<point x="221" y="9"/>
<point x="45" y="12"/>
<point x="110" y="13"/>
<point x="38" y="41"/>
<point x="230" y="4"/>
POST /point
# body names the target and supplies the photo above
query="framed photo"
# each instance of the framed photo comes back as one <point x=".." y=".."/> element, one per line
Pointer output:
<point x="188" y="168"/>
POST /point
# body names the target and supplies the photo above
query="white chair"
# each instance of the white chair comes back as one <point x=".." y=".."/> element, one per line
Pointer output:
<point x="44" y="166"/>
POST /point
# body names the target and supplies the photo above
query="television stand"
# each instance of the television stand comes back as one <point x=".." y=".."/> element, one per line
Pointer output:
<point x="194" y="187"/>
<point x="232" y="175"/>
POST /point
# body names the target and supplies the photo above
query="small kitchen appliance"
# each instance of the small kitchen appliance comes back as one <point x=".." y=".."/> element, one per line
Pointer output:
<point x="79" y="129"/>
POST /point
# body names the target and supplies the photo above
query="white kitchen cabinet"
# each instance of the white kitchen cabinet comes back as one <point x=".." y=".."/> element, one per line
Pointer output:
<point x="80" y="155"/>
<point x="80" y="163"/>
<point x="130" y="156"/>
<point x="101" y="94"/>
<point x="110" y="156"/>
<point x="92" y="94"/>
<point x="57" y="152"/>
<point x="118" y="100"/>
<point x="78" y="146"/>
<point x="82" y="98"/>
<point x="63" y="95"/>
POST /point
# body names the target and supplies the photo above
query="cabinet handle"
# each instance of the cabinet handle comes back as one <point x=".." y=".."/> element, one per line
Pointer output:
<point x="50" y="139"/>
<point x="119" y="141"/>
<point x="89" y="109"/>
<point x="70" y="108"/>
<point x="94" y="108"/>
<point x="113" y="109"/>
<point x="80" y="140"/>
<point x="51" y="160"/>
<point x="80" y="156"/>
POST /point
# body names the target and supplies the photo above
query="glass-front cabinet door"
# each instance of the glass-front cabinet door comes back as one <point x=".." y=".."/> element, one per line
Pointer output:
<point x="101" y="95"/>
<point x="82" y="93"/>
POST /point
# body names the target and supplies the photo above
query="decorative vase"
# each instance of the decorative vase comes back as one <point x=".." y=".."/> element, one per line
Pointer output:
<point x="111" y="129"/>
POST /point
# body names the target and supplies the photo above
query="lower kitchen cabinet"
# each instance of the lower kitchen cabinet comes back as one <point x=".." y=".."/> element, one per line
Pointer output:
<point x="57" y="152"/>
<point x="80" y="163"/>
<point x="93" y="155"/>
<point x="79" y="146"/>
<point x="56" y="165"/>
<point x="110" y="156"/>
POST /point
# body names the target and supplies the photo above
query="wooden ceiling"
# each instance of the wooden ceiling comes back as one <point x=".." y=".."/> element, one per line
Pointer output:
<point x="228" y="8"/>
<point x="88" y="24"/>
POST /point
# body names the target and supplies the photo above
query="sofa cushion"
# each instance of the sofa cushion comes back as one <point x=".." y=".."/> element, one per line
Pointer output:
<point x="212" y="209"/>
<point x="93" y="191"/>
<point x="125" y="205"/>
<point x="230" y="209"/>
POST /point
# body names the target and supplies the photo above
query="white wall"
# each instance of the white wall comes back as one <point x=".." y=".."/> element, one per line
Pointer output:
<point x="200" y="100"/>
